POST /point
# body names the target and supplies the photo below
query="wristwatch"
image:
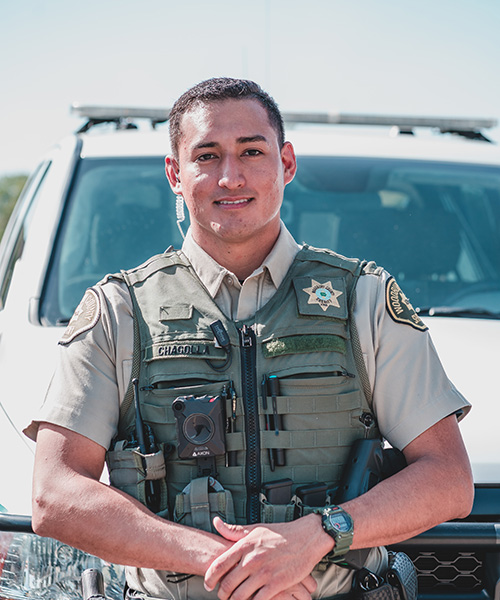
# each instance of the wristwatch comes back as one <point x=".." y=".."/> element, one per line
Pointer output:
<point x="338" y="524"/>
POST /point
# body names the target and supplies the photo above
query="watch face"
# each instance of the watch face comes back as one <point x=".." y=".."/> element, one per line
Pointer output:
<point x="340" y="521"/>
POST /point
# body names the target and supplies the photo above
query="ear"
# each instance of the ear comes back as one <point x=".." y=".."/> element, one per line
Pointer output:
<point x="289" y="162"/>
<point x="172" y="173"/>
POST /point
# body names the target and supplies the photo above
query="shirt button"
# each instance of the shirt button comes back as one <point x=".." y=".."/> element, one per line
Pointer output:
<point x="230" y="280"/>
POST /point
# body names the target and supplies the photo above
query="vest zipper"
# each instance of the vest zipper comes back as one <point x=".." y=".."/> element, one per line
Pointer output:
<point x="250" y="404"/>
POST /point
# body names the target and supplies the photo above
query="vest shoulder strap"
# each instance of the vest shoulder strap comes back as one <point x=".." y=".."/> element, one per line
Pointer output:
<point x="328" y="257"/>
<point x="125" y="420"/>
<point x="363" y="268"/>
<point x="152" y="265"/>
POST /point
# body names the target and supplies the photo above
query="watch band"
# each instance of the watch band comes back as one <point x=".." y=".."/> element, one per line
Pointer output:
<point x="343" y="539"/>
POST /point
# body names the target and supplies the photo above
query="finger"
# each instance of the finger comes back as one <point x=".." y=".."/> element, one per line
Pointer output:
<point x="309" y="584"/>
<point x="220" y="567"/>
<point x="238" y="585"/>
<point x="301" y="594"/>
<point x="296" y="592"/>
<point x="233" y="533"/>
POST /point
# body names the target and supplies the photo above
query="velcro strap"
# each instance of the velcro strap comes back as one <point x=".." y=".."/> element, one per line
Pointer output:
<point x="200" y="507"/>
<point x="129" y="469"/>
<point x="276" y="513"/>
<point x="153" y="465"/>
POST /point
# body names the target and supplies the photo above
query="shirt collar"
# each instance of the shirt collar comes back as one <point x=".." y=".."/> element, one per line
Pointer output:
<point x="211" y="274"/>
<point x="281" y="257"/>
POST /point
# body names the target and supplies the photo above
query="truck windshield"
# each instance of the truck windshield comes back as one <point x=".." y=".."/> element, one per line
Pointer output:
<point x="434" y="226"/>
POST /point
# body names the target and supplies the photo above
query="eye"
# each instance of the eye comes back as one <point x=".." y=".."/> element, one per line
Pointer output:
<point x="206" y="156"/>
<point x="253" y="152"/>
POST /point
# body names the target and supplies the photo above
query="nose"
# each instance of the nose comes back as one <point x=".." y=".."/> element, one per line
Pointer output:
<point x="231" y="176"/>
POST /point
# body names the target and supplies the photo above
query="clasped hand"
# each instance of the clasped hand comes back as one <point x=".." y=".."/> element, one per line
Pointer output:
<point x="266" y="561"/>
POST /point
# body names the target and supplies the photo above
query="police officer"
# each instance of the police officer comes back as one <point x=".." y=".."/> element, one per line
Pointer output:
<point x="340" y="337"/>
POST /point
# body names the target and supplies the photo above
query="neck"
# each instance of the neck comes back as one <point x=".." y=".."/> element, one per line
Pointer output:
<point x="241" y="258"/>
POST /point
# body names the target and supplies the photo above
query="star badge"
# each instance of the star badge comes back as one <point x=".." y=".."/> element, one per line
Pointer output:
<point x="323" y="294"/>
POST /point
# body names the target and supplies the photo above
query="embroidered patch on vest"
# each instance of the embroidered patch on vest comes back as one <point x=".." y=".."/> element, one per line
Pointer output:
<point x="399" y="307"/>
<point x="304" y="344"/>
<point x="321" y="298"/>
<point x="201" y="349"/>
<point x="84" y="318"/>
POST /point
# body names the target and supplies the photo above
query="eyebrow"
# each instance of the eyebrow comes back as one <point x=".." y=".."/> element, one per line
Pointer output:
<point x="253" y="138"/>
<point x="240" y="140"/>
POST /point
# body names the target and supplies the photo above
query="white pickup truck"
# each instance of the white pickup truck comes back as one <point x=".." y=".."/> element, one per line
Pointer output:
<point x="421" y="197"/>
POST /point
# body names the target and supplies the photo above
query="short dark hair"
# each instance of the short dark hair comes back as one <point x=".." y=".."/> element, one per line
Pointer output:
<point x="218" y="89"/>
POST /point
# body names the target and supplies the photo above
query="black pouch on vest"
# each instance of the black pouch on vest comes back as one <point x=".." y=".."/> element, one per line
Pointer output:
<point x="399" y="582"/>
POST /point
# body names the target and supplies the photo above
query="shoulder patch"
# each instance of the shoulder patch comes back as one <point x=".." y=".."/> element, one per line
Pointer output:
<point x="399" y="307"/>
<point x="85" y="317"/>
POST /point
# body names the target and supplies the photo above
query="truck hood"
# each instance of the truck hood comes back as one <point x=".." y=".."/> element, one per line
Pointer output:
<point x="470" y="352"/>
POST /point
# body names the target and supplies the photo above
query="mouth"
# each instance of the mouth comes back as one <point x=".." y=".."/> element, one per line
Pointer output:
<point x="233" y="202"/>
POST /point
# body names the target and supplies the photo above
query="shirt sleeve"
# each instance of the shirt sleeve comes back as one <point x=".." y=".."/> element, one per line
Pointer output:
<point x="93" y="371"/>
<point x="411" y="391"/>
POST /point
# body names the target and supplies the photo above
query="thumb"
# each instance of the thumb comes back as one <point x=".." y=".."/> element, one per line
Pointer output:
<point x="233" y="533"/>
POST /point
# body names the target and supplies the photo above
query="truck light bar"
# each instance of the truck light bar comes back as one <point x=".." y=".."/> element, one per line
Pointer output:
<point x="444" y="123"/>
<point x="470" y="127"/>
<point x="113" y="113"/>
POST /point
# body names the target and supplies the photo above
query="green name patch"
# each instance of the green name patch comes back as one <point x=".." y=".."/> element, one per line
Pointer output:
<point x="303" y="344"/>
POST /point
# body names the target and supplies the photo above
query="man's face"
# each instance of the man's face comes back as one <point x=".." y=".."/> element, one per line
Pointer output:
<point x="231" y="173"/>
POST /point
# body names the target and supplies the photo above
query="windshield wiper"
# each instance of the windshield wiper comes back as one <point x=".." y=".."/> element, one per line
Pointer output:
<point x="457" y="311"/>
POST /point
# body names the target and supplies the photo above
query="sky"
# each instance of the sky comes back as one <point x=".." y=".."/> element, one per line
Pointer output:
<point x="425" y="58"/>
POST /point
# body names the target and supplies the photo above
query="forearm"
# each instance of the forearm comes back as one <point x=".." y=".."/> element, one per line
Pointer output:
<point x="70" y="504"/>
<point x="436" y="486"/>
<point x="407" y="504"/>
<point x="105" y="522"/>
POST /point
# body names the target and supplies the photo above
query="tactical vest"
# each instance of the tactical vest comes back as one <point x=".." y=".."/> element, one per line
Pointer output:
<point x="302" y="338"/>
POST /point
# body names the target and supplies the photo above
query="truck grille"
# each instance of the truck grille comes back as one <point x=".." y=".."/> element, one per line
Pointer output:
<point x="448" y="571"/>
